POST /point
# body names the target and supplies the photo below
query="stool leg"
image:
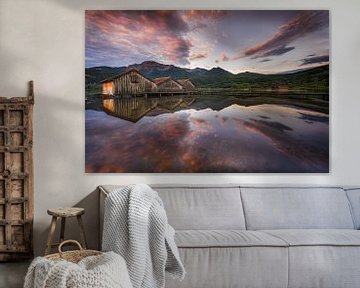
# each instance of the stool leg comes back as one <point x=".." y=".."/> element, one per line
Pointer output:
<point x="62" y="230"/>
<point x="51" y="235"/>
<point x="82" y="232"/>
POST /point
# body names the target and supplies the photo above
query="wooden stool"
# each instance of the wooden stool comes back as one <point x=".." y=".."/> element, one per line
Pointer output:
<point x="64" y="213"/>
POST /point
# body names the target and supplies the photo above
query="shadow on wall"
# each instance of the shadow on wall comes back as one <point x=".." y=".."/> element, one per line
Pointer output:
<point x="90" y="219"/>
<point x="113" y="4"/>
<point x="61" y="177"/>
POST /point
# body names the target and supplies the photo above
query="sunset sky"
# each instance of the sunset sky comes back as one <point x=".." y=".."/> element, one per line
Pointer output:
<point x="262" y="41"/>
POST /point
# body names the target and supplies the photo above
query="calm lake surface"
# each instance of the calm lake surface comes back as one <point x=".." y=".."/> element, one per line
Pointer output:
<point x="200" y="137"/>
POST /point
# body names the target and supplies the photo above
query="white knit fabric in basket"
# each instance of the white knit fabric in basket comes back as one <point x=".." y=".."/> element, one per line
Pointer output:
<point x="107" y="270"/>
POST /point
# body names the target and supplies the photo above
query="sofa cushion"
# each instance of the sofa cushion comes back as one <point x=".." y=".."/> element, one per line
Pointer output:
<point x="199" y="207"/>
<point x="324" y="266"/>
<point x="322" y="258"/>
<point x="203" y="208"/>
<point x="225" y="267"/>
<point x="309" y="237"/>
<point x="296" y="208"/>
<point x="226" y="238"/>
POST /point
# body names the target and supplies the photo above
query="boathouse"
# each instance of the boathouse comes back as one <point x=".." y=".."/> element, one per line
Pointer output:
<point x="167" y="84"/>
<point x="187" y="85"/>
<point x="282" y="87"/>
<point x="129" y="83"/>
<point x="133" y="83"/>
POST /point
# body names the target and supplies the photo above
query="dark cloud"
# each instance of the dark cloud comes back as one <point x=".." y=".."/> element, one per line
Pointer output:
<point x="278" y="51"/>
<point x="314" y="118"/>
<point x="305" y="23"/>
<point x="309" y="157"/>
<point x="265" y="60"/>
<point x="311" y="55"/>
<point x="315" y="60"/>
<point x="273" y="125"/>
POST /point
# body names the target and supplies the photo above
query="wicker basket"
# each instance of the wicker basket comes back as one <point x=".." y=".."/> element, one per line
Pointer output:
<point x="72" y="256"/>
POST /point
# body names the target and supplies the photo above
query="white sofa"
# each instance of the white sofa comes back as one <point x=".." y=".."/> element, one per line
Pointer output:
<point x="264" y="237"/>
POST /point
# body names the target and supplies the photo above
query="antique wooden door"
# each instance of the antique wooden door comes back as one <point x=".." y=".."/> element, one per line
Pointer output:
<point x="16" y="177"/>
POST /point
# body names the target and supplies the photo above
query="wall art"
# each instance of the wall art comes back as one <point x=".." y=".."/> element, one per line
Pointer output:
<point x="205" y="91"/>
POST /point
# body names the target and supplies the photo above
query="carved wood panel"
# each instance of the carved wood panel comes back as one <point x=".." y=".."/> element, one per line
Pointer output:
<point x="16" y="177"/>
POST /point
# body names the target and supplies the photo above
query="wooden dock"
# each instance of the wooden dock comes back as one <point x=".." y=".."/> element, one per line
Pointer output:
<point x="158" y="94"/>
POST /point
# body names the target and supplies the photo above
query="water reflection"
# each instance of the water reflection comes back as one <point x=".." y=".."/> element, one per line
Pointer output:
<point x="133" y="109"/>
<point x="263" y="138"/>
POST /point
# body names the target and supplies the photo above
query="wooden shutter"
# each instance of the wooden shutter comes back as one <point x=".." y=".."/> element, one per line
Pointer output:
<point x="16" y="177"/>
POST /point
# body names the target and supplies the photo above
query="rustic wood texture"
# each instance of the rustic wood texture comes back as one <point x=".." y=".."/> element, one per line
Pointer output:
<point x="167" y="84"/>
<point x="51" y="235"/>
<point x="129" y="83"/>
<point x="132" y="83"/>
<point x="63" y="213"/>
<point x="66" y="211"/>
<point x="82" y="231"/>
<point x="16" y="177"/>
<point x="187" y="84"/>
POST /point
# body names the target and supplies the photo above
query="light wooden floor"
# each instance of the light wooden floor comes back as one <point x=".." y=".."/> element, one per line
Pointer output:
<point x="12" y="274"/>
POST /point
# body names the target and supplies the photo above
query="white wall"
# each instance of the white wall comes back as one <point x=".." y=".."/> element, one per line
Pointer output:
<point x="43" y="40"/>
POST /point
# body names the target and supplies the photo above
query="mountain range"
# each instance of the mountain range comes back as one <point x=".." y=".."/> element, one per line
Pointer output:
<point x="314" y="78"/>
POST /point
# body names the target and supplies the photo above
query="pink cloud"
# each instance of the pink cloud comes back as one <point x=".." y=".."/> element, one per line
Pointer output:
<point x="204" y="14"/>
<point x="305" y="23"/>
<point x="198" y="56"/>
<point x="224" y="57"/>
<point x="117" y="33"/>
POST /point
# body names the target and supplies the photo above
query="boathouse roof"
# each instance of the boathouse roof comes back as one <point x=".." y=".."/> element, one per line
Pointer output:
<point x="124" y="73"/>
<point x="183" y="81"/>
<point x="160" y="80"/>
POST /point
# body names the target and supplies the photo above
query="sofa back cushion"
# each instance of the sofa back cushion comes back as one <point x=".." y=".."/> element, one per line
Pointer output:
<point x="296" y="208"/>
<point x="354" y="198"/>
<point x="203" y="208"/>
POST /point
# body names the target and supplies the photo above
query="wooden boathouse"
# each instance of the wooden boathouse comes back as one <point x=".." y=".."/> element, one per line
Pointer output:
<point x="167" y="84"/>
<point x="187" y="84"/>
<point x="129" y="83"/>
<point x="133" y="84"/>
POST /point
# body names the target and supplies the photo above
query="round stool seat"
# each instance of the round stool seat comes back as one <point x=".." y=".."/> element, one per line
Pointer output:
<point x="66" y="211"/>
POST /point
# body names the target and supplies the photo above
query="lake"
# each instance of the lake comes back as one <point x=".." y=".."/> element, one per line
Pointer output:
<point x="206" y="135"/>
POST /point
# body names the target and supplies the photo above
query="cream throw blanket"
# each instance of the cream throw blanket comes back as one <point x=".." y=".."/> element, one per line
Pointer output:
<point x="136" y="227"/>
<point x="103" y="271"/>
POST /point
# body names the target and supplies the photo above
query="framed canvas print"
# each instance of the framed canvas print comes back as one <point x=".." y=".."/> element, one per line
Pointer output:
<point x="243" y="91"/>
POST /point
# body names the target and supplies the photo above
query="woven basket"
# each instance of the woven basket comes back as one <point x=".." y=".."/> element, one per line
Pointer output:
<point x="72" y="256"/>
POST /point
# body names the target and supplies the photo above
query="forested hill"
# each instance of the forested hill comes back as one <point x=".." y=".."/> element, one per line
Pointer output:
<point x="315" y="78"/>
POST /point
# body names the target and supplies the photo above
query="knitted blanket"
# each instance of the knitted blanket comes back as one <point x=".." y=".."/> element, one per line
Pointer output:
<point x="136" y="227"/>
<point x="103" y="271"/>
